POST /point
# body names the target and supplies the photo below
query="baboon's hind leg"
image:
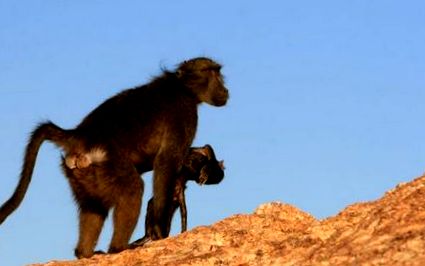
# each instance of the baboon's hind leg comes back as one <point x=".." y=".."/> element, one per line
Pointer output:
<point x="127" y="209"/>
<point x="91" y="223"/>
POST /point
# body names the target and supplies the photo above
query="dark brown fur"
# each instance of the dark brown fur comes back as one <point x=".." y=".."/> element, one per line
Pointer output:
<point x="140" y="129"/>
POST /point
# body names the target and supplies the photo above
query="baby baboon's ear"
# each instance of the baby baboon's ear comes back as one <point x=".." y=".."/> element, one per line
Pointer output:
<point x="207" y="151"/>
<point x="203" y="151"/>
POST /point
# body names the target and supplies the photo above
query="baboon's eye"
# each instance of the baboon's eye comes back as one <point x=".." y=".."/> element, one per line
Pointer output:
<point x="216" y="68"/>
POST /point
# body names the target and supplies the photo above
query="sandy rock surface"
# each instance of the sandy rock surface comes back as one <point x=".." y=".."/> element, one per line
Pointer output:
<point x="388" y="231"/>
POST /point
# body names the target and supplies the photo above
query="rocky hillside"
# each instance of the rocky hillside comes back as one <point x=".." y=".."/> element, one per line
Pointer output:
<point x="389" y="231"/>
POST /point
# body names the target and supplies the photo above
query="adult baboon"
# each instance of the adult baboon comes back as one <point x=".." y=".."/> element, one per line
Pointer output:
<point x="140" y="129"/>
<point x="200" y="166"/>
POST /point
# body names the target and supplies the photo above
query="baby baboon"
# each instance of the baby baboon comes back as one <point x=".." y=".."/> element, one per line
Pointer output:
<point x="150" y="127"/>
<point x="200" y="166"/>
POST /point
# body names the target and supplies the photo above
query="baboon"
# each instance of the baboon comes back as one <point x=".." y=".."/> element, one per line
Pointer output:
<point x="149" y="127"/>
<point x="200" y="166"/>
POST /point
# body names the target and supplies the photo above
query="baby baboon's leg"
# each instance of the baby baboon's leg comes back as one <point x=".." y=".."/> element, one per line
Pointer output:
<point x="127" y="209"/>
<point x="148" y="221"/>
<point x="91" y="223"/>
<point x="183" y="210"/>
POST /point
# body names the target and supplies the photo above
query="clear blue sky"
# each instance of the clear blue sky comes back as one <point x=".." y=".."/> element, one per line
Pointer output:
<point x="327" y="101"/>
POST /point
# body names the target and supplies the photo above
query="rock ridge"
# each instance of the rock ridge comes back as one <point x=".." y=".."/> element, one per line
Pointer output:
<point x="387" y="231"/>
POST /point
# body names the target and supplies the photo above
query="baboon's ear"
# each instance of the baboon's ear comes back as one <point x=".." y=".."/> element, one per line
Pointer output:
<point x="179" y="73"/>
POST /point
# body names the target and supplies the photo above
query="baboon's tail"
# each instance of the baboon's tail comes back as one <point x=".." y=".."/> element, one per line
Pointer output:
<point x="44" y="131"/>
